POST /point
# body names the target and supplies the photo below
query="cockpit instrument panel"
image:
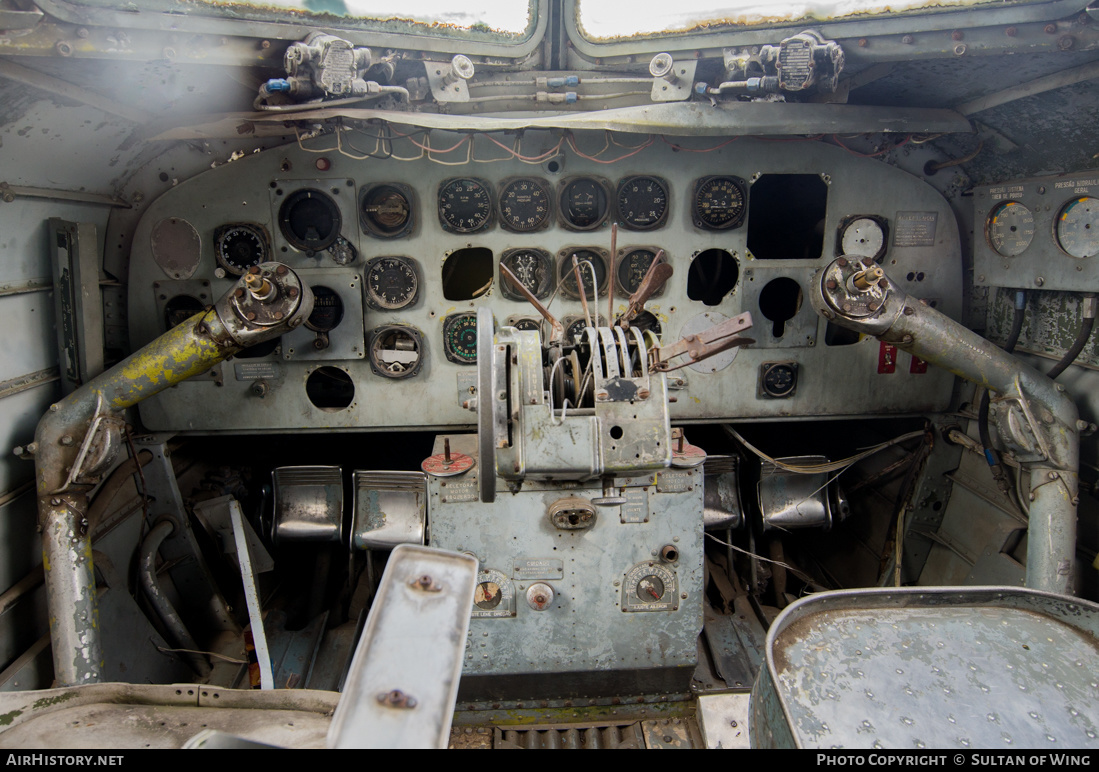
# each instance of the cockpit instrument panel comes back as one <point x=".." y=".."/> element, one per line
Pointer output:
<point x="399" y="328"/>
<point x="1051" y="224"/>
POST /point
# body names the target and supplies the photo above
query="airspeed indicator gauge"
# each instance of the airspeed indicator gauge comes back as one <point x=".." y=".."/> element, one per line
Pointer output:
<point x="719" y="203"/>
<point x="240" y="246"/>
<point x="1010" y="228"/>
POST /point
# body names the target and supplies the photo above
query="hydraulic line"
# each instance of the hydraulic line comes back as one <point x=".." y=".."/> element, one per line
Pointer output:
<point x="1089" y="308"/>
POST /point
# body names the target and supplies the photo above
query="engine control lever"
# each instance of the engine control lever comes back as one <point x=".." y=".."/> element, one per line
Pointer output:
<point x="655" y="278"/>
<point x="557" y="330"/>
<point x="720" y="337"/>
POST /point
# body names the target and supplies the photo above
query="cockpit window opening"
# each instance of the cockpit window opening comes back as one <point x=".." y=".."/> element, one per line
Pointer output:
<point x="603" y="20"/>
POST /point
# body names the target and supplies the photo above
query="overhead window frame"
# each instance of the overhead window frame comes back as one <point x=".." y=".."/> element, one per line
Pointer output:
<point x="902" y="23"/>
<point x="255" y="22"/>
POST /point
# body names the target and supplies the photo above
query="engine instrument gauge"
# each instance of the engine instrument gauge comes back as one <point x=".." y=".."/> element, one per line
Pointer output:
<point x="327" y="310"/>
<point x="1010" y="228"/>
<point x="239" y="246"/>
<point x="863" y="236"/>
<point x="567" y="279"/>
<point x="1077" y="227"/>
<point x="396" y="351"/>
<point x="778" y="379"/>
<point x="465" y="205"/>
<point x="527" y="324"/>
<point x="650" y="586"/>
<point x="310" y="220"/>
<point x="525" y="205"/>
<point x="719" y="203"/>
<point x="574" y="327"/>
<point x="642" y="203"/>
<point x="494" y="595"/>
<point x="631" y="269"/>
<point x="533" y="268"/>
<point x="385" y="211"/>
<point x="583" y="203"/>
<point x="460" y="338"/>
<point x="391" y="282"/>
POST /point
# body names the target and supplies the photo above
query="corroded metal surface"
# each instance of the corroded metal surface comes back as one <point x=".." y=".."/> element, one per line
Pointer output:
<point x="936" y="668"/>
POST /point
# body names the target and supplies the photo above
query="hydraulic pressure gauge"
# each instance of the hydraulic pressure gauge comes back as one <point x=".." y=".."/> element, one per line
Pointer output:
<point x="460" y="338"/>
<point x="719" y="203"/>
<point x="494" y="595"/>
<point x="391" y="282"/>
<point x="650" y="586"/>
<point x="566" y="277"/>
<point x="1077" y="227"/>
<point x="465" y="206"/>
<point x="863" y="236"/>
<point x="642" y="203"/>
<point x="310" y="220"/>
<point x="385" y="211"/>
<point x="1010" y="228"/>
<point x="583" y="203"/>
<point x="631" y="270"/>
<point x="240" y="246"/>
<point x="534" y="270"/>
<point x="525" y="205"/>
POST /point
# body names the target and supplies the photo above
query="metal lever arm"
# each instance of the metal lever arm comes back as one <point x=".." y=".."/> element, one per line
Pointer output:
<point x="557" y="330"/>
<point x="655" y="278"/>
<point x="720" y="337"/>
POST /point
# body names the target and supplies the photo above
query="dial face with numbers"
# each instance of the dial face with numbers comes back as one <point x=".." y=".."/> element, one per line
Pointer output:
<point x="460" y="338"/>
<point x="631" y="270"/>
<point x="465" y="205"/>
<point x="525" y="205"/>
<point x="642" y="203"/>
<point x="533" y="268"/>
<point x="1077" y="227"/>
<point x="719" y="203"/>
<point x="391" y="282"/>
<point x="1010" y="228"/>
<point x="241" y="246"/>
<point x="649" y="586"/>
<point x="584" y="204"/>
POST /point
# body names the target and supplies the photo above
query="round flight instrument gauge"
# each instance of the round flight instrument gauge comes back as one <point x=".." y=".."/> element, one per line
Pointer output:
<point x="863" y="236"/>
<point x="465" y="205"/>
<point x="1010" y="228"/>
<point x="527" y="324"/>
<point x="583" y="203"/>
<point x="779" y="379"/>
<point x="574" y="328"/>
<point x="310" y="220"/>
<point x="719" y="203"/>
<point x="533" y="268"/>
<point x="460" y="338"/>
<point x="1077" y="227"/>
<point x="642" y="203"/>
<point x="327" y="310"/>
<point x="525" y="205"/>
<point x="631" y="270"/>
<point x="239" y="246"/>
<point x="391" y="282"/>
<point x="494" y="595"/>
<point x="566" y="278"/>
<point x="385" y="211"/>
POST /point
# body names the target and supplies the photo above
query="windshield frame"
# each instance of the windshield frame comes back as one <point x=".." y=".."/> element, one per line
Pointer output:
<point x="923" y="20"/>
<point x="251" y="21"/>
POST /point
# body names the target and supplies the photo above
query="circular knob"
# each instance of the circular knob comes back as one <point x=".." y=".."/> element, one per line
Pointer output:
<point x="539" y="596"/>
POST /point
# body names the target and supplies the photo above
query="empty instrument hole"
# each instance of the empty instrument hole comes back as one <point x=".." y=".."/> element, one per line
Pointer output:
<point x="780" y="301"/>
<point x="467" y="273"/>
<point x="712" y="276"/>
<point x="330" y="388"/>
